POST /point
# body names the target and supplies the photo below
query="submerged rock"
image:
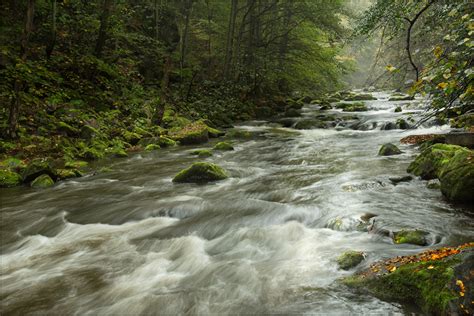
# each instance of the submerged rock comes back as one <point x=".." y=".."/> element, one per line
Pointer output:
<point x="223" y="146"/>
<point x="43" y="181"/>
<point x="389" y="150"/>
<point x="433" y="184"/>
<point x="201" y="172"/>
<point x="398" y="109"/>
<point x="397" y="180"/>
<point x="438" y="281"/>
<point x="414" y="237"/>
<point x="350" y="259"/>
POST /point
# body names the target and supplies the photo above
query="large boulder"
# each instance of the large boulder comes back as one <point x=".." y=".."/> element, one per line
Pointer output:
<point x="438" y="281"/>
<point x="465" y="139"/>
<point x="201" y="172"/>
<point x="389" y="150"/>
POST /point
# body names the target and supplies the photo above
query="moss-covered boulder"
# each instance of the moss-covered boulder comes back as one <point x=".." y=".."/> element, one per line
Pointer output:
<point x="457" y="177"/>
<point x="194" y="133"/>
<point x="202" y="153"/>
<point x="43" y="181"/>
<point x="9" y="178"/>
<point x="352" y="107"/>
<point x="401" y="97"/>
<point x="411" y="236"/>
<point x="38" y="167"/>
<point x="389" y="149"/>
<point x="350" y="259"/>
<point x="201" y="172"/>
<point x="214" y="132"/>
<point x="438" y="281"/>
<point x="152" y="147"/>
<point x="223" y="146"/>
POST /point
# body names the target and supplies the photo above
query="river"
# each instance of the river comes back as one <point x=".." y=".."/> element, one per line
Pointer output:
<point x="264" y="241"/>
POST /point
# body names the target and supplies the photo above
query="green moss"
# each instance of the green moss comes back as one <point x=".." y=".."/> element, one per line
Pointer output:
<point x="43" y="181"/>
<point x="457" y="176"/>
<point x="76" y="164"/>
<point x="202" y="153"/>
<point x="194" y="133"/>
<point x="91" y="153"/>
<point x="413" y="283"/>
<point x="238" y="133"/>
<point x="389" y="150"/>
<point x="166" y="142"/>
<point x="223" y="146"/>
<point x="401" y="97"/>
<point x="415" y="237"/>
<point x="214" y="133"/>
<point x="131" y="137"/>
<point x="68" y="173"/>
<point x="350" y="259"/>
<point x="36" y="168"/>
<point x="9" y="178"/>
<point x="13" y="164"/>
<point x="152" y="147"/>
<point x="201" y="172"/>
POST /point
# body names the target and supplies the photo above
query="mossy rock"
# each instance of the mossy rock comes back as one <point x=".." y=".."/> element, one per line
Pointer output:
<point x="402" y="124"/>
<point x="457" y="177"/>
<point x="352" y="107"/>
<point x="433" y="184"/>
<point x="9" y="178"/>
<point x="310" y="124"/>
<point x="350" y="259"/>
<point x="6" y="146"/>
<point x="64" y="174"/>
<point x="465" y="121"/>
<point x="440" y="286"/>
<point x="152" y="147"/>
<point x="398" y="109"/>
<point x="401" y="97"/>
<point x="91" y="153"/>
<point x="223" y="146"/>
<point x="88" y="132"/>
<point x="201" y="172"/>
<point x="202" y="153"/>
<point x="360" y="97"/>
<point x="43" y="181"/>
<point x="409" y="236"/>
<point x="215" y="133"/>
<point x="389" y="150"/>
<point x="165" y="142"/>
<point x="38" y="167"/>
<point x="119" y="152"/>
<point x="191" y="134"/>
<point x="131" y="137"/>
<point x="239" y="133"/>
<point x="433" y="160"/>
<point x="13" y="164"/>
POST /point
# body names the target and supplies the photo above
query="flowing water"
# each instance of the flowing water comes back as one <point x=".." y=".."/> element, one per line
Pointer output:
<point x="130" y="242"/>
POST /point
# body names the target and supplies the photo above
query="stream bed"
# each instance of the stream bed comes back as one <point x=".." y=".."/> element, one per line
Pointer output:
<point x="264" y="241"/>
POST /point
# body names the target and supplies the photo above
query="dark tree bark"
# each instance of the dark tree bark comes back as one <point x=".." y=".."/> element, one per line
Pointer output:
<point x="52" y="40"/>
<point x="104" y="26"/>
<point x="18" y="86"/>
<point x="230" y="39"/>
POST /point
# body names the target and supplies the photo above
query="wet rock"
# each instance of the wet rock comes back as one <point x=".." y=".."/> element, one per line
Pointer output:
<point x="350" y="259"/>
<point x="194" y="133"/>
<point x="213" y="133"/>
<point x="76" y="164"/>
<point x="438" y="281"/>
<point x="398" y="109"/>
<point x="202" y="153"/>
<point x="363" y="126"/>
<point x="360" y="97"/>
<point x="352" y="107"/>
<point x="397" y="180"/>
<point x="389" y="150"/>
<point x="402" y="124"/>
<point x="292" y="113"/>
<point x="366" y="217"/>
<point x="433" y="184"/>
<point x="310" y="124"/>
<point x="201" y="172"/>
<point x="43" y="181"/>
<point x="388" y="126"/>
<point x="401" y="97"/>
<point x="464" y="139"/>
<point x="286" y="122"/>
<point x="64" y="174"/>
<point x="414" y="237"/>
<point x="9" y="178"/>
<point x="419" y="139"/>
<point x="223" y="146"/>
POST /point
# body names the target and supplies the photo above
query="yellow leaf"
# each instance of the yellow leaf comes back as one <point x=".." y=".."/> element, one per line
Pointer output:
<point x="442" y="85"/>
<point x="390" y="68"/>
<point x="438" y="51"/>
<point x="430" y="267"/>
<point x="391" y="269"/>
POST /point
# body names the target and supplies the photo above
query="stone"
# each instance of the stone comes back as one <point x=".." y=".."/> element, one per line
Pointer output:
<point x="407" y="236"/>
<point x="401" y="97"/>
<point x="397" y="180"/>
<point x="310" y="124"/>
<point x="360" y="97"/>
<point x="350" y="259"/>
<point x="201" y="172"/>
<point x="68" y="173"/>
<point x="9" y="178"/>
<point x="191" y="134"/>
<point x="389" y="150"/>
<point x="223" y="146"/>
<point x="202" y="153"/>
<point x="465" y="139"/>
<point x="43" y="181"/>
<point x="398" y="109"/>
<point x="152" y="147"/>
<point x="433" y="184"/>
<point x="36" y="168"/>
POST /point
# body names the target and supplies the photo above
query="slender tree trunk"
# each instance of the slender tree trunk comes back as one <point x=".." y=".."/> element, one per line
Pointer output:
<point x="104" y="25"/>
<point x="411" y="23"/>
<point x="18" y="86"/>
<point x="230" y="39"/>
<point x="283" y="49"/>
<point x="52" y="40"/>
<point x="164" y="96"/>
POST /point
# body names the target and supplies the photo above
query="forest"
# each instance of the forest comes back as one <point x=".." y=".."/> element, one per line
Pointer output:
<point x="236" y="157"/>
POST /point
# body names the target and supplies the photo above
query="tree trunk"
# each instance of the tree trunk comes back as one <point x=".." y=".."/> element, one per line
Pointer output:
<point x="18" y="86"/>
<point x="164" y="96"/>
<point x="104" y="25"/>
<point x="230" y="39"/>
<point x="52" y="40"/>
<point x="283" y="49"/>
